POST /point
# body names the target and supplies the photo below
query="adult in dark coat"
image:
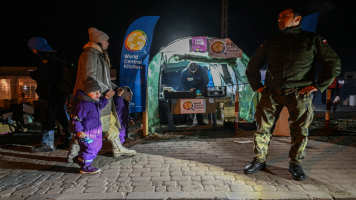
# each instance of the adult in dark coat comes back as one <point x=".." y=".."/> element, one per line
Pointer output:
<point x="52" y="100"/>
<point x="194" y="76"/>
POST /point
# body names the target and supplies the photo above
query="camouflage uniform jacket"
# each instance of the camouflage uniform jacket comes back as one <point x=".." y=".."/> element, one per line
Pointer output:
<point x="291" y="56"/>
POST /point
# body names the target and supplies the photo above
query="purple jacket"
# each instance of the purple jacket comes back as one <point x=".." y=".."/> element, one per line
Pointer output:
<point x="88" y="111"/>
<point x="122" y="108"/>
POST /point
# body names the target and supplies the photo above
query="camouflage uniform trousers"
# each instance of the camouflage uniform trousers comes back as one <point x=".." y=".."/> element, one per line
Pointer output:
<point x="301" y="111"/>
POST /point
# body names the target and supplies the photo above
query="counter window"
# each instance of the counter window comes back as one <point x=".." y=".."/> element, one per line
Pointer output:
<point x="27" y="89"/>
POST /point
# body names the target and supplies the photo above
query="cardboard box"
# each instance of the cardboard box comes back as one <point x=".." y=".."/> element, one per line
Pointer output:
<point x="8" y="115"/>
<point x="208" y="103"/>
<point x="228" y="112"/>
<point x="22" y="108"/>
<point x="6" y="128"/>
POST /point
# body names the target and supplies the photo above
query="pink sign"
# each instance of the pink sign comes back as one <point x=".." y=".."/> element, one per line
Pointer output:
<point x="199" y="44"/>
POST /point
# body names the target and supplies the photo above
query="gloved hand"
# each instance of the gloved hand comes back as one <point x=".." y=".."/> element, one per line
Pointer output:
<point x="198" y="91"/>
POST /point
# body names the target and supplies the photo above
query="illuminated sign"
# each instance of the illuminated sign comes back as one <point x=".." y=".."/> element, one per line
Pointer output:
<point x="218" y="47"/>
<point x="199" y="44"/>
<point x="136" y="40"/>
<point x="135" y="53"/>
<point x="223" y="48"/>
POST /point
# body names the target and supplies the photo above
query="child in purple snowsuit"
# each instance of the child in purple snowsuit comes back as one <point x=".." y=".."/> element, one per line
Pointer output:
<point x="85" y="122"/>
<point x="122" y="106"/>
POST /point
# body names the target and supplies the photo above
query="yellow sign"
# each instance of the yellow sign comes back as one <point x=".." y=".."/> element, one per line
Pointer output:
<point x="136" y="40"/>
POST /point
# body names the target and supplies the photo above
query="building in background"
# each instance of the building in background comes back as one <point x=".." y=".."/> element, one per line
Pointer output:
<point x="16" y="86"/>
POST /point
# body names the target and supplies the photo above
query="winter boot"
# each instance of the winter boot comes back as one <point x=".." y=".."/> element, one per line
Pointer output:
<point x="119" y="150"/>
<point x="254" y="167"/>
<point x="297" y="172"/>
<point x="73" y="153"/>
<point x="89" y="170"/>
<point x="43" y="148"/>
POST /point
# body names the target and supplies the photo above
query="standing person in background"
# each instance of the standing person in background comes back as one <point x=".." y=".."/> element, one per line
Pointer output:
<point x="290" y="80"/>
<point x="122" y="105"/>
<point x="94" y="62"/>
<point x="194" y="76"/>
<point x="335" y="92"/>
<point x="52" y="100"/>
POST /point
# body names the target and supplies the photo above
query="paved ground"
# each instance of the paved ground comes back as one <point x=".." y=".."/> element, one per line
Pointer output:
<point x="183" y="169"/>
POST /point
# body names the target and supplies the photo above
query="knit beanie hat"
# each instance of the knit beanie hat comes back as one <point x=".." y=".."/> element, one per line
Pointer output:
<point x="127" y="92"/>
<point x="193" y="66"/>
<point x="91" y="85"/>
<point x="97" y="36"/>
<point x="39" y="43"/>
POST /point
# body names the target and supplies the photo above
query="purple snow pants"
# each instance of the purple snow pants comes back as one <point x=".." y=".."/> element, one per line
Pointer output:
<point x="88" y="151"/>
<point x="124" y="133"/>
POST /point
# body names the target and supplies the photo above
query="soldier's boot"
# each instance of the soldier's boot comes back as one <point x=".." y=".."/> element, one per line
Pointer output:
<point x="297" y="172"/>
<point x="119" y="150"/>
<point x="73" y="153"/>
<point x="254" y="167"/>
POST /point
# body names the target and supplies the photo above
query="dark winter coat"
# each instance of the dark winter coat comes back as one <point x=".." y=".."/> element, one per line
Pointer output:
<point x="198" y="80"/>
<point x="48" y="76"/>
<point x="291" y="56"/>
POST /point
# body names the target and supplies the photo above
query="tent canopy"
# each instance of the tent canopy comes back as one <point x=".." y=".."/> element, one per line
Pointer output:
<point x="222" y="71"/>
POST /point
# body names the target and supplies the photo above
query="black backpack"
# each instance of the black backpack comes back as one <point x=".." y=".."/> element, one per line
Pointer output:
<point x="68" y="77"/>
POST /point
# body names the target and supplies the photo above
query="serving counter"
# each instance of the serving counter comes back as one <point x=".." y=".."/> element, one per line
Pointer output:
<point x="199" y="105"/>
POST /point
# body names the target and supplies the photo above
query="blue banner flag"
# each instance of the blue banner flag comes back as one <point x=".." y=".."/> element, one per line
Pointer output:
<point x="309" y="22"/>
<point x="134" y="60"/>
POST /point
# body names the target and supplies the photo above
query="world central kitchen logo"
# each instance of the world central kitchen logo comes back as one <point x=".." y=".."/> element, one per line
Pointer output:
<point x="136" y="40"/>
<point x="188" y="105"/>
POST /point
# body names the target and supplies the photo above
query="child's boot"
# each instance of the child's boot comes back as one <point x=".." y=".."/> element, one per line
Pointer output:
<point x="73" y="153"/>
<point x="88" y="169"/>
<point x="119" y="150"/>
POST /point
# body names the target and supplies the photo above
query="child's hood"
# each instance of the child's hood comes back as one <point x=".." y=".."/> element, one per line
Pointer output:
<point x="79" y="95"/>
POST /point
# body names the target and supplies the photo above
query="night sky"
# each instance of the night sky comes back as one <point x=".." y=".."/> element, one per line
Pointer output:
<point x="64" y="24"/>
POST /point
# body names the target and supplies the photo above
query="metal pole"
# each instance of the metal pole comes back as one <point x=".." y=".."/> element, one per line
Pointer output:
<point x="145" y="116"/>
<point x="224" y="17"/>
<point x="236" y="111"/>
<point x="328" y="107"/>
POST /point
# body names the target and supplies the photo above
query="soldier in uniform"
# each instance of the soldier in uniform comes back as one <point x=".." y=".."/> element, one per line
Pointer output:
<point x="290" y="80"/>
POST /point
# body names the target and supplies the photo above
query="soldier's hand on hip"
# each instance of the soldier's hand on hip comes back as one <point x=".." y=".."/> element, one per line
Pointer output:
<point x="309" y="89"/>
